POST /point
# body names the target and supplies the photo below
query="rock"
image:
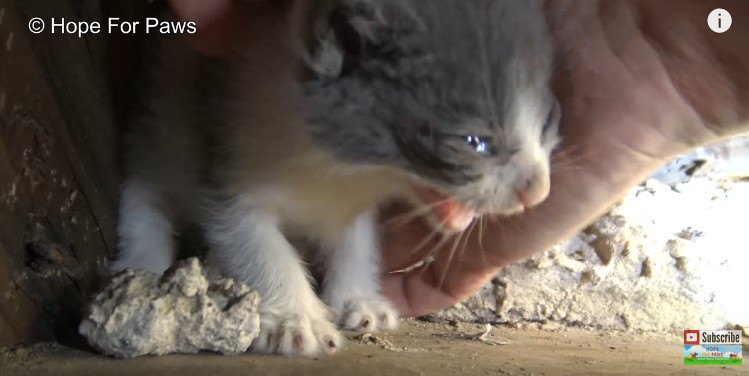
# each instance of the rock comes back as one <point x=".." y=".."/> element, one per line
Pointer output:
<point x="142" y="313"/>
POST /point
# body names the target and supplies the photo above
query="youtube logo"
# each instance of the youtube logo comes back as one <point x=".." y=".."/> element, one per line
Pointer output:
<point x="691" y="337"/>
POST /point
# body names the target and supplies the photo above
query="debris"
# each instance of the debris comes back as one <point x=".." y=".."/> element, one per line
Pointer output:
<point x="371" y="339"/>
<point x="484" y="337"/>
<point x="142" y="313"/>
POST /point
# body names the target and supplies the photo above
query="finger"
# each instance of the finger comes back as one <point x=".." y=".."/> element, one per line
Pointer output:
<point x="416" y="293"/>
<point x="216" y="21"/>
<point x="448" y="280"/>
<point x="201" y="11"/>
<point x="437" y="284"/>
<point x="407" y="239"/>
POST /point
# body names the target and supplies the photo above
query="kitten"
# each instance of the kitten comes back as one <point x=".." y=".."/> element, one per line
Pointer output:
<point x="442" y="102"/>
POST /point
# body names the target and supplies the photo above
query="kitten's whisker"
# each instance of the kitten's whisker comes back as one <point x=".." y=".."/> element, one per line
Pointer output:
<point x="567" y="160"/>
<point x="464" y="243"/>
<point x="482" y="224"/>
<point x="407" y="217"/>
<point x="410" y="215"/>
<point x="449" y="260"/>
<point x="571" y="156"/>
<point x="436" y="231"/>
<point x="566" y="151"/>
<point x="432" y="252"/>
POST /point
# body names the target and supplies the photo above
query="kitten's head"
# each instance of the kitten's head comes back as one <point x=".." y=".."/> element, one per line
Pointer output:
<point x="454" y="92"/>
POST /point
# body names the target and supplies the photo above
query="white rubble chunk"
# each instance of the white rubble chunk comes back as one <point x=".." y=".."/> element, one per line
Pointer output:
<point x="142" y="313"/>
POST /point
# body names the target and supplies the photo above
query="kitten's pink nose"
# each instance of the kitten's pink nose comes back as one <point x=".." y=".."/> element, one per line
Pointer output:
<point x="533" y="190"/>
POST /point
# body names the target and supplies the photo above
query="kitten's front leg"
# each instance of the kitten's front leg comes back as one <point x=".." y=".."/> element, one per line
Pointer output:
<point x="352" y="281"/>
<point x="248" y="246"/>
<point x="144" y="231"/>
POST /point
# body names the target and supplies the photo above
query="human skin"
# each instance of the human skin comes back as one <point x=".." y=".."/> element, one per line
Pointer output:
<point x="639" y="81"/>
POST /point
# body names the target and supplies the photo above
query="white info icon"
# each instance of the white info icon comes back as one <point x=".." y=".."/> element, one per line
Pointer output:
<point x="719" y="20"/>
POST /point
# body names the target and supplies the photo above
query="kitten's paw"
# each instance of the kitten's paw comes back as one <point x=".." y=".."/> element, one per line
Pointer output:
<point x="296" y="333"/>
<point x="369" y="315"/>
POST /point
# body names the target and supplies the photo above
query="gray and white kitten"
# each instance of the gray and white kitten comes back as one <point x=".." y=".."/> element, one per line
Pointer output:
<point x="442" y="102"/>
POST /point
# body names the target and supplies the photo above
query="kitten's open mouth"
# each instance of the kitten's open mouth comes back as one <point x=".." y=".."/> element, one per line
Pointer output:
<point x="451" y="215"/>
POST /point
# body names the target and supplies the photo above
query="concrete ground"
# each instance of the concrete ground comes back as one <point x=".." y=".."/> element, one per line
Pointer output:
<point x="417" y="348"/>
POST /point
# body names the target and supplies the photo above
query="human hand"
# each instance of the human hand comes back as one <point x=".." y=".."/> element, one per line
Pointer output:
<point x="216" y="20"/>
<point x="639" y="82"/>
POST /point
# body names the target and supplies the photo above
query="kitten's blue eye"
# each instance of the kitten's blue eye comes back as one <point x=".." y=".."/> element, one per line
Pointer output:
<point x="478" y="144"/>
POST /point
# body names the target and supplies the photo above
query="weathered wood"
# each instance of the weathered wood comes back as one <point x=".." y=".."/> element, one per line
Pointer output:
<point x="58" y="166"/>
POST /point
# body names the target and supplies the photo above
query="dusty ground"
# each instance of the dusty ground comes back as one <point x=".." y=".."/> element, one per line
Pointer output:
<point x="418" y="348"/>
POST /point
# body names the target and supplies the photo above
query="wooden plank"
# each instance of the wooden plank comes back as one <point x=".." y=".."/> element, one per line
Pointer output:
<point x="58" y="170"/>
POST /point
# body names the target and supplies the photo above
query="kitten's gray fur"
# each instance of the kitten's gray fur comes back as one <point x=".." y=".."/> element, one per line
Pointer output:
<point x="452" y="94"/>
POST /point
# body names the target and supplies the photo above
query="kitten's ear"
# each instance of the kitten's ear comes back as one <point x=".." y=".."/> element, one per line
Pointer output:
<point x="351" y="29"/>
<point x="341" y="30"/>
<point x="325" y="58"/>
<point x="362" y="18"/>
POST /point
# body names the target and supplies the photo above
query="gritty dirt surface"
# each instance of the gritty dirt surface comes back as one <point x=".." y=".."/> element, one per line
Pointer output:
<point x="417" y="348"/>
